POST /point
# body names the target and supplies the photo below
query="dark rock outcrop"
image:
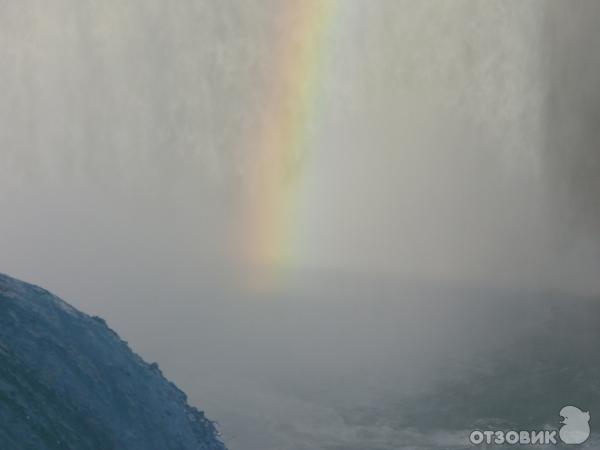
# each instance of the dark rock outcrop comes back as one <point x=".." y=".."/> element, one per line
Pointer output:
<point x="68" y="382"/>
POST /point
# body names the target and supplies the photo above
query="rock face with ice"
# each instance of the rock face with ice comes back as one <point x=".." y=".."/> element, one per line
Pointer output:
<point x="68" y="382"/>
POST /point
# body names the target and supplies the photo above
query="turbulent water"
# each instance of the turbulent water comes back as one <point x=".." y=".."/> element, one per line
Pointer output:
<point x="67" y="381"/>
<point x="329" y="365"/>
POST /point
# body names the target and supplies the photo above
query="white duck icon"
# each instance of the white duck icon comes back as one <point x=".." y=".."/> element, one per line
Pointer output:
<point x="576" y="428"/>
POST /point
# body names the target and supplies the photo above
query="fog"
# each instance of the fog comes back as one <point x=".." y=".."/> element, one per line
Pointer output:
<point x="454" y="150"/>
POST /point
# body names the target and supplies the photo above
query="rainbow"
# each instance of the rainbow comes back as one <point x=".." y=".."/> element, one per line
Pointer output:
<point x="282" y="143"/>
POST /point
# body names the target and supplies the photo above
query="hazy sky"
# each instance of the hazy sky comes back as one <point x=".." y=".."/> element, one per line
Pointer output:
<point x="129" y="127"/>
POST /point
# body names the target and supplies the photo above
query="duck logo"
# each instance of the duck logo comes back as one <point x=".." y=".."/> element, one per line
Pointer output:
<point x="576" y="427"/>
<point x="575" y="430"/>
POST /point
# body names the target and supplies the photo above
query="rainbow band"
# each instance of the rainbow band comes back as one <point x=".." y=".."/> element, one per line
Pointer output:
<point x="284" y="137"/>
